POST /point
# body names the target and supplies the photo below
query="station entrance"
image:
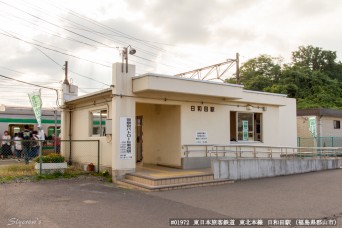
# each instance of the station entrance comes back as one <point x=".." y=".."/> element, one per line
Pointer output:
<point x="158" y="134"/>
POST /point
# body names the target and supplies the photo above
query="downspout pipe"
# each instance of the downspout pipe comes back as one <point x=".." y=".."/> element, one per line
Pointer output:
<point x="70" y="139"/>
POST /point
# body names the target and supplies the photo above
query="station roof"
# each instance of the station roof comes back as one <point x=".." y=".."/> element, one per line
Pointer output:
<point x="319" y="112"/>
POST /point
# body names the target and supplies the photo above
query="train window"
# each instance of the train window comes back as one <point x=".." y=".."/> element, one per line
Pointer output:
<point x="15" y="128"/>
<point x="51" y="131"/>
<point x="98" y="122"/>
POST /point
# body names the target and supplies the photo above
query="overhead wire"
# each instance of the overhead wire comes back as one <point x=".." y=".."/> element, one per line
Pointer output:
<point x="112" y="30"/>
<point x="75" y="32"/>
<point x="73" y="71"/>
<point x="60" y="52"/>
<point x="36" y="85"/>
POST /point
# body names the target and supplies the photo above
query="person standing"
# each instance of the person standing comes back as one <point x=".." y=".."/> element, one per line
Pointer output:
<point x="6" y="145"/>
<point x="18" y="147"/>
<point x="34" y="144"/>
<point x="26" y="135"/>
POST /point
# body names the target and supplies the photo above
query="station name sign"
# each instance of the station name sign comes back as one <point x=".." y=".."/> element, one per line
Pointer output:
<point x="200" y="108"/>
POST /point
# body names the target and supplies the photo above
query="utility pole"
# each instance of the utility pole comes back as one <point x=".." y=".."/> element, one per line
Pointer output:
<point x="237" y="69"/>
<point x="66" y="73"/>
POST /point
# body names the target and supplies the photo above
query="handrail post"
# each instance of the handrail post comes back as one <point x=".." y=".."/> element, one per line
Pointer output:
<point x="286" y="152"/>
<point x="236" y="152"/>
<point x="98" y="156"/>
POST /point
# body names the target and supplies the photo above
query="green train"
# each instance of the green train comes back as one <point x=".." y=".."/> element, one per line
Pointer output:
<point x="13" y="120"/>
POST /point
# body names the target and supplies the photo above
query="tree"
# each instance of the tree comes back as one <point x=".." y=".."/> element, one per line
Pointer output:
<point x="314" y="77"/>
<point x="259" y="73"/>
<point x="317" y="59"/>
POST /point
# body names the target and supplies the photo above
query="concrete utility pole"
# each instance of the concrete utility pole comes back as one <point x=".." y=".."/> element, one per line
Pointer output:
<point x="66" y="73"/>
<point x="237" y="69"/>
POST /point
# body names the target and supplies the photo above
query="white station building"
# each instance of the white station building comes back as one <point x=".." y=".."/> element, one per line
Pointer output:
<point x="151" y="118"/>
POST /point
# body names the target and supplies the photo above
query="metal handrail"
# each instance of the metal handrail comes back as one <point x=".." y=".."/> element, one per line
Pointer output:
<point x="260" y="151"/>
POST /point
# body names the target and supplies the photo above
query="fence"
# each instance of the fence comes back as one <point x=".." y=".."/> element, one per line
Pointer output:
<point x="81" y="153"/>
<point x="320" y="142"/>
<point x="253" y="151"/>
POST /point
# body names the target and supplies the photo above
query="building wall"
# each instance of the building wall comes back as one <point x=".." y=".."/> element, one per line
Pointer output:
<point x="86" y="152"/>
<point x="327" y="135"/>
<point x="287" y="124"/>
<point x="215" y="124"/>
<point x="161" y="133"/>
<point x="328" y="127"/>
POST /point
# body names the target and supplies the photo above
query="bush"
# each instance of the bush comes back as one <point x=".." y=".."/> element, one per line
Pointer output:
<point x="51" y="158"/>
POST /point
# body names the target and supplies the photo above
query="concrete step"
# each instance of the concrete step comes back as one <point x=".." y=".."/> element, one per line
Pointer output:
<point x="171" y="180"/>
<point x="166" y="187"/>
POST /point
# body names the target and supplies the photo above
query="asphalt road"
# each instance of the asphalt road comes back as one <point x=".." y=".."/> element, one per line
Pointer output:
<point x="88" y="202"/>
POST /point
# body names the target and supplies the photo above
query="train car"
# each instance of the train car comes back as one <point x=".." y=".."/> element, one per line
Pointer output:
<point x="13" y="119"/>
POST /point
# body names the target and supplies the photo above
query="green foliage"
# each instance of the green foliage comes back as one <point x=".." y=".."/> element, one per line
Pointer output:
<point x="51" y="158"/>
<point x="314" y="77"/>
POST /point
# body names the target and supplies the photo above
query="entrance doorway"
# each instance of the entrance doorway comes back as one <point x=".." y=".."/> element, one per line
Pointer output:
<point x="158" y="140"/>
<point x="139" y="140"/>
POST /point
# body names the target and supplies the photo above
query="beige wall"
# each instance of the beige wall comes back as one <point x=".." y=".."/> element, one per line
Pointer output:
<point x="287" y="124"/>
<point x="216" y="123"/>
<point x="328" y="127"/>
<point x="86" y="152"/>
<point x="303" y="127"/>
<point x="161" y="133"/>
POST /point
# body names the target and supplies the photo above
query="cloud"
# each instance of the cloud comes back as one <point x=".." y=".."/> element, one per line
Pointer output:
<point x="189" y="21"/>
<point x="312" y="8"/>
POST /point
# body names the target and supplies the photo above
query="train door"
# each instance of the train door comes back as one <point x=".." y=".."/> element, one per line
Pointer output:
<point x="15" y="128"/>
<point x="139" y="138"/>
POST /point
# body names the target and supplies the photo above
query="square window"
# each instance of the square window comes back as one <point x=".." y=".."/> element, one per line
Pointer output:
<point x="337" y="124"/>
<point x="98" y="123"/>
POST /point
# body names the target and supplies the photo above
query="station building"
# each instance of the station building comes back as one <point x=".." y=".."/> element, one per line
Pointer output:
<point x="151" y="118"/>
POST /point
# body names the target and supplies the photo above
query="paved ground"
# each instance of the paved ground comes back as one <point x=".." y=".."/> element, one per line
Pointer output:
<point x="88" y="202"/>
<point x="10" y="161"/>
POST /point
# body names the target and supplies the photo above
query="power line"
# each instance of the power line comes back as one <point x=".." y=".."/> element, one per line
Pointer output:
<point x="28" y="83"/>
<point x="60" y="52"/>
<point x="84" y="18"/>
<point x="73" y="71"/>
<point x="57" y="25"/>
<point x="115" y="31"/>
<point x="39" y="28"/>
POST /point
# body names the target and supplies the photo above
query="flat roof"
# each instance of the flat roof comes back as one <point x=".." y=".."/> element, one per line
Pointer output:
<point x="89" y="95"/>
<point x="319" y="112"/>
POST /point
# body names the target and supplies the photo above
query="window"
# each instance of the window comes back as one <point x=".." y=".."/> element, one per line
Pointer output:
<point x="51" y="131"/>
<point x="245" y="126"/>
<point x="98" y="121"/>
<point x="337" y="124"/>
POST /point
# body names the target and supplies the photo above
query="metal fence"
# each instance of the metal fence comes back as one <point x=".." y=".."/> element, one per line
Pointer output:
<point x="52" y="155"/>
<point x="253" y="151"/>
<point x="320" y="142"/>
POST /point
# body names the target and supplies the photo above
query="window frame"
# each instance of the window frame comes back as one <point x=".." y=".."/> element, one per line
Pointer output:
<point x="102" y="127"/>
<point x="257" y="136"/>
<point x="337" y="124"/>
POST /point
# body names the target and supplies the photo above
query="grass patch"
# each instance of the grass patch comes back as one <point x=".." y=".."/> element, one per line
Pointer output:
<point x="18" y="171"/>
<point x="105" y="174"/>
<point x="23" y="172"/>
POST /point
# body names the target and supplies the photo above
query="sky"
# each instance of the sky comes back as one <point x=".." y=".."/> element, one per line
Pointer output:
<point x="171" y="37"/>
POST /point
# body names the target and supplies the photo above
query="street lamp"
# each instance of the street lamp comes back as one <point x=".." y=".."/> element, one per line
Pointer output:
<point x="125" y="52"/>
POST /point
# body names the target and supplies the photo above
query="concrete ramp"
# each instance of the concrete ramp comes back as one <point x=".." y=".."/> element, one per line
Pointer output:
<point x="243" y="169"/>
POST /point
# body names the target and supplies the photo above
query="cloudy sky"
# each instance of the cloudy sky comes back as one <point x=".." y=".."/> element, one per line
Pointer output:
<point x="170" y="36"/>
